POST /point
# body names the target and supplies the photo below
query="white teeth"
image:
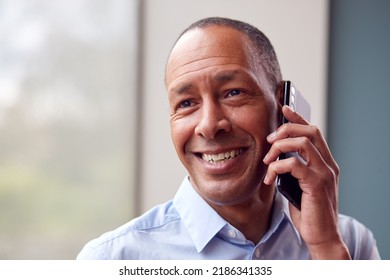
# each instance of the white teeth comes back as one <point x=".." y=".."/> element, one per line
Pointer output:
<point x="221" y="157"/>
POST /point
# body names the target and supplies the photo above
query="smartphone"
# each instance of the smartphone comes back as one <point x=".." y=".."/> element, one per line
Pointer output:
<point x="286" y="184"/>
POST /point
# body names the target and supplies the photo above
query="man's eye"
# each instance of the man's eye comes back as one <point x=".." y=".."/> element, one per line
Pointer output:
<point x="185" y="104"/>
<point x="234" y="92"/>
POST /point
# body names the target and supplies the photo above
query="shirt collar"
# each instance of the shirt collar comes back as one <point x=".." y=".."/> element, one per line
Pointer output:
<point x="193" y="210"/>
<point x="280" y="212"/>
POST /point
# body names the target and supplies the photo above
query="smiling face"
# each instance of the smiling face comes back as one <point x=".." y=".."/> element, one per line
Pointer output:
<point x="222" y="109"/>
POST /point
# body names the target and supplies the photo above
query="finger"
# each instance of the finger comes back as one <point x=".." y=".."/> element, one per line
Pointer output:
<point x="302" y="145"/>
<point x="291" y="130"/>
<point x="316" y="182"/>
<point x="290" y="165"/>
<point x="293" y="116"/>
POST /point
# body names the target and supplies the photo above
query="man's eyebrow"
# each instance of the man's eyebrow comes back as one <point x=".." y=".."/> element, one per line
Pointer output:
<point x="221" y="77"/>
<point x="183" y="88"/>
<point x="226" y="76"/>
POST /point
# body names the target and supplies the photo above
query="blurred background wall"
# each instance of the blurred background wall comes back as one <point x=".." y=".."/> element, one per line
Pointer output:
<point x="358" y="130"/>
<point x="84" y="118"/>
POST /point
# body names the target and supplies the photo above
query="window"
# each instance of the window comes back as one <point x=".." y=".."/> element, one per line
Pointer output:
<point x="67" y="123"/>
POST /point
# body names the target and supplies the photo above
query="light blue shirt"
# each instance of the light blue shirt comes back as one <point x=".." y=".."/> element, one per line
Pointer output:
<point x="188" y="228"/>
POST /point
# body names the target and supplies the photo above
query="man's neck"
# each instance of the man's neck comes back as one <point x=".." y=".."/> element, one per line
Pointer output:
<point x="251" y="217"/>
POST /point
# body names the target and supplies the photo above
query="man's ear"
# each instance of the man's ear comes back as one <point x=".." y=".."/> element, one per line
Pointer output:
<point x="279" y="98"/>
<point x="279" y="93"/>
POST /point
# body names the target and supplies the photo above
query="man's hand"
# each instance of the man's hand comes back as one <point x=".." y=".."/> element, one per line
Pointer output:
<point x="317" y="221"/>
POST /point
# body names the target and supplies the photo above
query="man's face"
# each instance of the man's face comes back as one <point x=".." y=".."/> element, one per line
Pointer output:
<point x="221" y="112"/>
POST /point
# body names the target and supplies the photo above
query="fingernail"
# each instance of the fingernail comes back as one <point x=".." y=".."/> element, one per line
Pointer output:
<point x="265" y="159"/>
<point x="271" y="136"/>
<point x="266" y="179"/>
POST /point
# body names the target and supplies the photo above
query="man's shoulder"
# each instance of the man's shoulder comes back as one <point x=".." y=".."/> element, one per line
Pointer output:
<point x="358" y="238"/>
<point x="157" y="217"/>
<point x="161" y="218"/>
<point x="351" y="227"/>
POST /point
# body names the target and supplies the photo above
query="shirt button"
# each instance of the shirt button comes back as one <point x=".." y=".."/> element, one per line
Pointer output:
<point x="257" y="252"/>
<point x="232" y="233"/>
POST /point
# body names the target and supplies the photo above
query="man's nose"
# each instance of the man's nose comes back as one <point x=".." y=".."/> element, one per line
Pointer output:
<point x="213" y="120"/>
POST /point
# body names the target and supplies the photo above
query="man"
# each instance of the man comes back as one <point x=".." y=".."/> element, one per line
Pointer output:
<point x="224" y="89"/>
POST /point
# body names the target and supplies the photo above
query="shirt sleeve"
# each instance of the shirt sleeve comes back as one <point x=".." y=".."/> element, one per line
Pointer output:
<point x="359" y="239"/>
<point x="90" y="252"/>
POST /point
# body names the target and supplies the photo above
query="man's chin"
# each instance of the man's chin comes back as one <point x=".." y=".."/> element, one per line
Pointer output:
<point x="222" y="192"/>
